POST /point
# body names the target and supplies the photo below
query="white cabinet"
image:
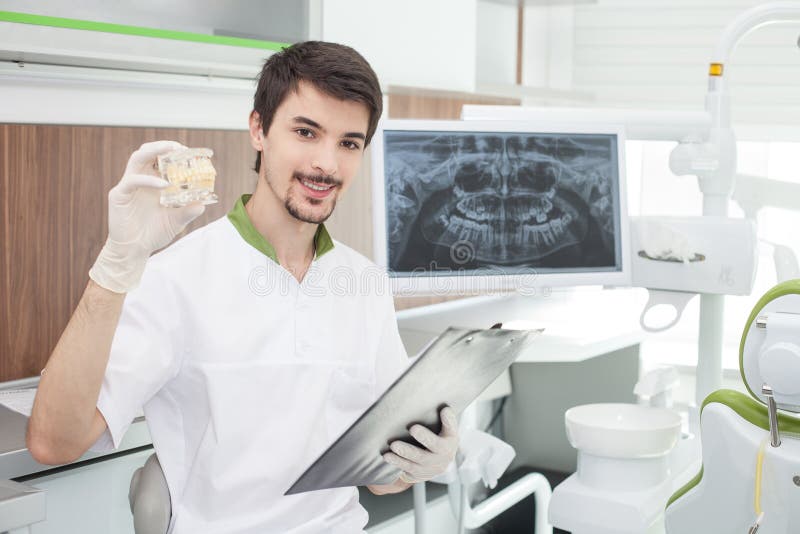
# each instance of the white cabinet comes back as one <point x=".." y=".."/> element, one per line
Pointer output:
<point x="457" y="45"/>
<point x="91" y="499"/>
<point x="414" y="43"/>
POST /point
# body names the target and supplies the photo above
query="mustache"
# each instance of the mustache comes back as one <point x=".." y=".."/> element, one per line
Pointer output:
<point x="318" y="178"/>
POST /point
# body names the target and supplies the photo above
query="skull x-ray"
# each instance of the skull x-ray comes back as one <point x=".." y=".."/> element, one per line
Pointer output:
<point x="505" y="201"/>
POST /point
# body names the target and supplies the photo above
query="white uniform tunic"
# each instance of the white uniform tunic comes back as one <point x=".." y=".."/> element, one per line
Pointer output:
<point x="246" y="375"/>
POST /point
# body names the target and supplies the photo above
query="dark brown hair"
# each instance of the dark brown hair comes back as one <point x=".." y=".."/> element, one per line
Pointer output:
<point x="334" y="69"/>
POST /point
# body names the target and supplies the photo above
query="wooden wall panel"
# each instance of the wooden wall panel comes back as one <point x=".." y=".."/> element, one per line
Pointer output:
<point x="406" y="103"/>
<point x="53" y="193"/>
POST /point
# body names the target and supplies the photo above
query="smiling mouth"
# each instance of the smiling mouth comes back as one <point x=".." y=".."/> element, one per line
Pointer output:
<point x="316" y="188"/>
<point x="315" y="185"/>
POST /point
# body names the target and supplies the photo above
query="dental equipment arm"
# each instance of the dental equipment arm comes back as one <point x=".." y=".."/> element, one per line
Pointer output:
<point x="714" y="164"/>
<point x="754" y="193"/>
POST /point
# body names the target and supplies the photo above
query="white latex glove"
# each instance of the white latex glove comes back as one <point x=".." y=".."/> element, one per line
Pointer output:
<point x="138" y="224"/>
<point x="419" y="465"/>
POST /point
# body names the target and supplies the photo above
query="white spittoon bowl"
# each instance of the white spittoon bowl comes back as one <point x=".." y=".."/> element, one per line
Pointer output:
<point x="622" y="430"/>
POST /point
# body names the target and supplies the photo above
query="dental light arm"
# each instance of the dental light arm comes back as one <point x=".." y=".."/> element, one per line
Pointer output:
<point x="713" y="161"/>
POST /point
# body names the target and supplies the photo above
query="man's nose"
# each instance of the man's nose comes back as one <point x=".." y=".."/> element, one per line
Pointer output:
<point x="325" y="160"/>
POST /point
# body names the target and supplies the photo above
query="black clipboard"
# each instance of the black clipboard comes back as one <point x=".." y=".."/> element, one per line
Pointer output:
<point x="454" y="369"/>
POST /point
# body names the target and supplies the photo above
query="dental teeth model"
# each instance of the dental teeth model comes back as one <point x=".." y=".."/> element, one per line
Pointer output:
<point x="191" y="176"/>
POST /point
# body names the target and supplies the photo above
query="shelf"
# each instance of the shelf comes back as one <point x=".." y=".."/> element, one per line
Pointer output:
<point x="69" y="42"/>
<point x="540" y="3"/>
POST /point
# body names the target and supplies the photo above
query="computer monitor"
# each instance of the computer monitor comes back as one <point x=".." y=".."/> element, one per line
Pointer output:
<point x="470" y="207"/>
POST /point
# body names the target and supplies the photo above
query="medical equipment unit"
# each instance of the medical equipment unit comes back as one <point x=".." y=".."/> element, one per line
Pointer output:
<point x="750" y="475"/>
<point x="445" y="186"/>
<point x="489" y="206"/>
<point x="706" y="149"/>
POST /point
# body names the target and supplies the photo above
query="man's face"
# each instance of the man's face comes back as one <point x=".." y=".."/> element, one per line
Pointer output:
<point x="312" y="150"/>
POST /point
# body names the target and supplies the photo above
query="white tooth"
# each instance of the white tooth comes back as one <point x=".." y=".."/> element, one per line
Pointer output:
<point x="522" y="212"/>
<point x="465" y="233"/>
<point x="541" y="217"/>
<point x="537" y="235"/>
<point x="547" y="234"/>
<point x="557" y="227"/>
<point x="453" y="229"/>
<point x="315" y="187"/>
<point x="472" y="238"/>
<point x="455" y="226"/>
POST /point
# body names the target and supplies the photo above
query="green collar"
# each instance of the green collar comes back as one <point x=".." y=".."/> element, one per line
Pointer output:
<point x="241" y="221"/>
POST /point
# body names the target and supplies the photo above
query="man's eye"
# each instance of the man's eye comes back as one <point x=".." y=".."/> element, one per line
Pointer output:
<point x="305" y="132"/>
<point x="350" y="145"/>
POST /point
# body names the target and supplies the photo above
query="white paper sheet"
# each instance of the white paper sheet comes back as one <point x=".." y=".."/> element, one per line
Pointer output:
<point x="19" y="400"/>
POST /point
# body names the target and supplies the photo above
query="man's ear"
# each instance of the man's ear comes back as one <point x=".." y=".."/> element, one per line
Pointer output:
<point x="256" y="132"/>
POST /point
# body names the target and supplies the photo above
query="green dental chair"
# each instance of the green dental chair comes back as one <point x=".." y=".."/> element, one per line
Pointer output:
<point x="750" y="480"/>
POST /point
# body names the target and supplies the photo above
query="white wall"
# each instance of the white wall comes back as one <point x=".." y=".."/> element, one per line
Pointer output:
<point x="548" y="46"/>
<point x="496" y="43"/>
<point x="655" y="53"/>
<point x="420" y="43"/>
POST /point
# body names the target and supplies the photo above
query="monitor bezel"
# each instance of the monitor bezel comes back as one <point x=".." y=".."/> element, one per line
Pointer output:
<point x="482" y="283"/>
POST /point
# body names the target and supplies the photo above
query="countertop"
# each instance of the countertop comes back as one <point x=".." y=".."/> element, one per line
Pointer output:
<point x="16" y="461"/>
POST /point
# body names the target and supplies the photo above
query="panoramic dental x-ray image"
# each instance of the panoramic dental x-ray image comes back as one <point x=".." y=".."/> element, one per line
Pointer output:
<point x="501" y="201"/>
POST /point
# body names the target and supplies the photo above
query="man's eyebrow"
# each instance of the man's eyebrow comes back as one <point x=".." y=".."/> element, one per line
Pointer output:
<point x="309" y="122"/>
<point x="315" y="124"/>
<point x="356" y="135"/>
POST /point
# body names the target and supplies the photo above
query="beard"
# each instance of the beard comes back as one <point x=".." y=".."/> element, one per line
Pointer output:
<point x="298" y="206"/>
<point x="293" y="206"/>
